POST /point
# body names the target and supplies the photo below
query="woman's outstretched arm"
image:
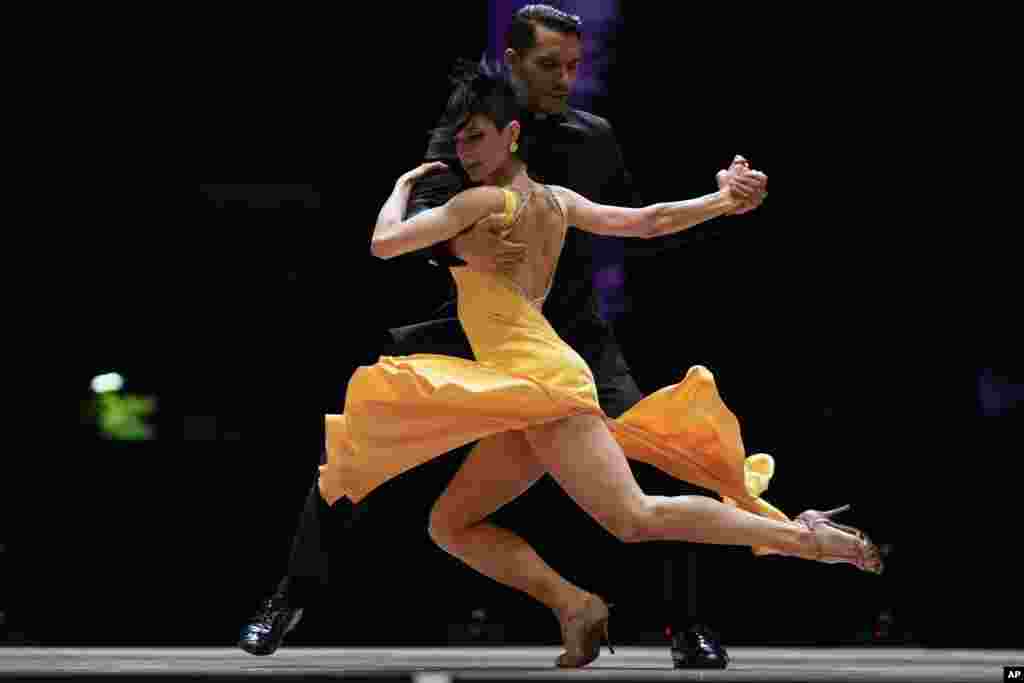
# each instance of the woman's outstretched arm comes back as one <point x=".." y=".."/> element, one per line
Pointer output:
<point x="656" y="220"/>
<point x="393" y="236"/>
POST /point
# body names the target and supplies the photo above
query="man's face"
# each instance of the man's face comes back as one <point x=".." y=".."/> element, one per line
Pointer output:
<point x="548" y="70"/>
<point x="482" y="148"/>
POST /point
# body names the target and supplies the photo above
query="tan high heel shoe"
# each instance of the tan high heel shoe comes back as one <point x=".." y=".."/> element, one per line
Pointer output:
<point x="868" y="557"/>
<point x="582" y="634"/>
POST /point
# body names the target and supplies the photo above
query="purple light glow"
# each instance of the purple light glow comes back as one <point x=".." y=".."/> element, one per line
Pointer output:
<point x="610" y="277"/>
<point x="997" y="395"/>
<point x="600" y="21"/>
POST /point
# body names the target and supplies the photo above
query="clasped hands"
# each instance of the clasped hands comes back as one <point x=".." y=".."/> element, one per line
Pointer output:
<point x="748" y="186"/>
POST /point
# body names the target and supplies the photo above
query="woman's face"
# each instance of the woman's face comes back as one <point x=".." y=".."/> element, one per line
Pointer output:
<point x="482" y="148"/>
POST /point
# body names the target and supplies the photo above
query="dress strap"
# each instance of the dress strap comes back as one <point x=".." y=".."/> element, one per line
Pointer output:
<point x="557" y="202"/>
<point x="511" y="203"/>
<point x="553" y="198"/>
<point x="513" y="206"/>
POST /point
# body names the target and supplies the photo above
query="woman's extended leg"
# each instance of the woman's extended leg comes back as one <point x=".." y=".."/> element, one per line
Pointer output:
<point x="498" y="470"/>
<point x="586" y="461"/>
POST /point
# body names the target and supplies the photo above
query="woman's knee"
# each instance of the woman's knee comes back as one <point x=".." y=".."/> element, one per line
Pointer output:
<point x="631" y="521"/>
<point x="442" y="527"/>
<point x="438" y="527"/>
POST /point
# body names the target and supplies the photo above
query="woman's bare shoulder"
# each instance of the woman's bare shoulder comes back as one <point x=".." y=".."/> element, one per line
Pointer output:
<point x="483" y="199"/>
<point x="564" y="194"/>
<point x="564" y="197"/>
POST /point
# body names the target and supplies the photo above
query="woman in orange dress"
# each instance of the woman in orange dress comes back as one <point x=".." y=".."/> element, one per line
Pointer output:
<point x="530" y="399"/>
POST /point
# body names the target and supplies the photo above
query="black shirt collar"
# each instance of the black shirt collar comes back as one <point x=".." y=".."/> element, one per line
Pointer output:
<point x="544" y="125"/>
<point x="544" y="120"/>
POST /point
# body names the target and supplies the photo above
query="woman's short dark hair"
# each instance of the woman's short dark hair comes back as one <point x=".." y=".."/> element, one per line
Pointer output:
<point x="480" y="88"/>
<point x="522" y="32"/>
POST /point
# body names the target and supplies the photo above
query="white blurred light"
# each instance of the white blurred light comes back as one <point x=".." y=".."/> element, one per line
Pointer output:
<point x="431" y="677"/>
<point x="111" y="381"/>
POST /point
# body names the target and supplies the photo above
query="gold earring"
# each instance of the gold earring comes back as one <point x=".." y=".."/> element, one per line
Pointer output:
<point x="514" y="147"/>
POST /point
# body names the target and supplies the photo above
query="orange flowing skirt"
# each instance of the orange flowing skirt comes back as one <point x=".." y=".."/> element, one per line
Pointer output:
<point x="404" y="411"/>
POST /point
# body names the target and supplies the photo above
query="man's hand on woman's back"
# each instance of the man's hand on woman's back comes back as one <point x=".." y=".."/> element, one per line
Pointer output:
<point x="485" y="245"/>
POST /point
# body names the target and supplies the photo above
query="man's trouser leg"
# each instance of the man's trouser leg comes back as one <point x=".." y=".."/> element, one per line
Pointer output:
<point x="321" y="524"/>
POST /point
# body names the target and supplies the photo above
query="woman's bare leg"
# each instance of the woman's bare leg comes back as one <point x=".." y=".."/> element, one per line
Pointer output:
<point x="586" y="461"/>
<point x="498" y="470"/>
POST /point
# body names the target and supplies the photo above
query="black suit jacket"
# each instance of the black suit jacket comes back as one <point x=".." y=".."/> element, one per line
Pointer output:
<point x="577" y="150"/>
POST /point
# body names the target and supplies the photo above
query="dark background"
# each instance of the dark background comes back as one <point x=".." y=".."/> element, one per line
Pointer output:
<point x="850" y="350"/>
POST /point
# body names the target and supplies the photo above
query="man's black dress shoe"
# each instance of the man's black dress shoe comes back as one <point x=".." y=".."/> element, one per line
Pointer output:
<point x="268" y="627"/>
<point x="698" y="648"/>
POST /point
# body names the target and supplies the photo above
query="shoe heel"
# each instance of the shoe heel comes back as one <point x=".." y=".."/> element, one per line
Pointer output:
<point x="607" y="638"/>
<point x="832" y="513"/>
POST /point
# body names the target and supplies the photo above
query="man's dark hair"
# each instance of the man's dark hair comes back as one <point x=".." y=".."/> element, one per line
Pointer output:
<point x="522" y="32"/>
<point x="480" y="88"/>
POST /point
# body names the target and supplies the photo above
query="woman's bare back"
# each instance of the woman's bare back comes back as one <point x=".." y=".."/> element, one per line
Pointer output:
<point x="540" y="224"/>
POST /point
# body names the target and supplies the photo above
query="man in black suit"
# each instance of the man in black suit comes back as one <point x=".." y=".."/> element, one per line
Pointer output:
<point x="564" y="146"/>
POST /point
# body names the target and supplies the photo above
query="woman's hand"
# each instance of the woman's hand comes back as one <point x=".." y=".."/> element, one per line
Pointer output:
<point x="410" y="177"/>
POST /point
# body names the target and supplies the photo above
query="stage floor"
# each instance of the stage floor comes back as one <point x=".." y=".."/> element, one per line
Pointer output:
<point x="438" y="665"/>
